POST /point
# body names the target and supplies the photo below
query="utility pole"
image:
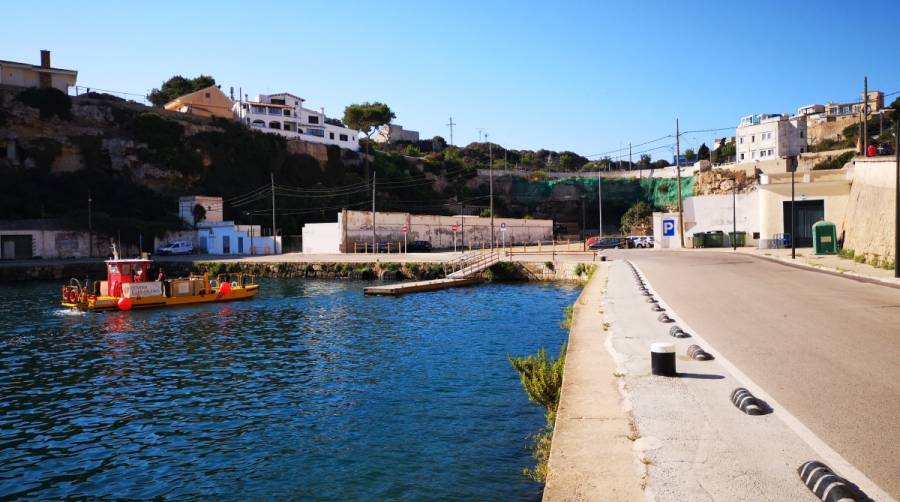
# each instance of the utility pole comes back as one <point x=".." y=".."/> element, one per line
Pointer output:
<point x="480" y="129"/>
<point x="630" y="164"/>
<point x="678" y="171"/>
<point x="90" y="227"/>
<point x="600" y="203"/>
<point x="793" y="162"/>
<point x="897" y="194"/>
<point x="451" y="124"/>
<point x="491" y="183"/>
<point x="734" y="214"/>
<point x="274" y="233"/>
<point x="374" y="238"/>
<point x="865" y="111"/>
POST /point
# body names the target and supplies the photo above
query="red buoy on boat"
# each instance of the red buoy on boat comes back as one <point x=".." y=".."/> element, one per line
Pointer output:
<point x="124" y="303"/>
<point x="225" y="288"/>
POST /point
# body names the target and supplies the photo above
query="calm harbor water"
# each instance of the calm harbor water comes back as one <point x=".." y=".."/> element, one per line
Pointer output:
<point x="311" y="391"/>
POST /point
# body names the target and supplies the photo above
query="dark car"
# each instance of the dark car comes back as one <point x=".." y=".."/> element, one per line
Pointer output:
<point x="612" y="243"/>
<point x="418" y="247"/>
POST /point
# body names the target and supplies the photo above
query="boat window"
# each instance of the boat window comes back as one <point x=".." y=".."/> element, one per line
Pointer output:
<point x="126" y="268"/>
<point x="113" y="269"/>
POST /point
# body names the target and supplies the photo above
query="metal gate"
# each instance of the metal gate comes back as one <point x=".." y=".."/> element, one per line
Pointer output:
<point x="806" y="213"/>
<point x="15" y="247"/>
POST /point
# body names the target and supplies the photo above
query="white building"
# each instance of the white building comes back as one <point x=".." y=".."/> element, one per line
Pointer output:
<point x="765" y="137"/>
<point x="29" y="75"/>
<point x="813" y="109"/>
<point x="392" y="133"/>
<point x="284" y="114"/>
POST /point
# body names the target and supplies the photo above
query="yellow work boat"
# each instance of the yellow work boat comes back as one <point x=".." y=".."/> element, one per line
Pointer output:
<point x="127" y="286"/>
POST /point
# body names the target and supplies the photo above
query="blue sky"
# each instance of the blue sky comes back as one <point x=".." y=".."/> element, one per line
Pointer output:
<point x="581" y="76"/>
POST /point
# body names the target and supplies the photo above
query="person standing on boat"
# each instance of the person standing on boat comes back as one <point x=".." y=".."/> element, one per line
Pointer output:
<point x="161" y="276"/>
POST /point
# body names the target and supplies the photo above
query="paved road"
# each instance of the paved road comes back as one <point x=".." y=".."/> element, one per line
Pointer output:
<point x="826" y="348"/>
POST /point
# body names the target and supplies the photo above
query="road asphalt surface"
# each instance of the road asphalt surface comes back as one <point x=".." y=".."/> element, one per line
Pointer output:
<point x="826" y="348"/>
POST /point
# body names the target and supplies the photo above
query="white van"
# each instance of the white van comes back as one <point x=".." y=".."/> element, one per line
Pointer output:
<point x="177" y="247"/>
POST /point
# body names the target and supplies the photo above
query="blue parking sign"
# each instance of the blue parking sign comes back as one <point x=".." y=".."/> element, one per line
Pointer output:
<point x="668" y="228"/>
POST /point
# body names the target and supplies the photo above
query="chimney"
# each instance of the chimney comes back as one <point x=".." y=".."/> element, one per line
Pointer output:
<point x="45" y="58"/>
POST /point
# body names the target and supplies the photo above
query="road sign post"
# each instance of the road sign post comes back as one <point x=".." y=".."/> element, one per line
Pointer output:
<point x="405" y="231"/>
<point x="503" y="233"/>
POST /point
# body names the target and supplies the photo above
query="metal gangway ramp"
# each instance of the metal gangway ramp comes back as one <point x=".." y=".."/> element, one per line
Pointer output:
<point x="462" y="271"/>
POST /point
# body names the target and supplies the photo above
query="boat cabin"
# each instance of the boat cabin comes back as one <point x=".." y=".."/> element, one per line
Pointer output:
<point x="120" y="272"/>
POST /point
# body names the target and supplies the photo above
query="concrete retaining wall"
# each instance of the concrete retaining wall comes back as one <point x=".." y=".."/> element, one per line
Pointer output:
<point x="869" y="222"/>
<point x="474" y="230"/>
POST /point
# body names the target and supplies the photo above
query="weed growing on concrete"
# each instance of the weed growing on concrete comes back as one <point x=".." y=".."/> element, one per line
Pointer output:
<point x="566" y="323"/>
<point x="647" y="461"/>
<point x="874" y="260"/>
<point x="846" y="253"/>
<point x="634" y="436"/>
<point x="550" y="266"/>
<point x="860" y="258"/>
<point x="887" y="264"/>
<point x="618" y="374"/>
<point x="541" y="378"/>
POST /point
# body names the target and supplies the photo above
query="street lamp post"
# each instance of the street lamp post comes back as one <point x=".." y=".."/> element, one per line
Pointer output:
<point x="897" y="194"/>
<point x="90" y="227"/>
<point x="491" y="183"/>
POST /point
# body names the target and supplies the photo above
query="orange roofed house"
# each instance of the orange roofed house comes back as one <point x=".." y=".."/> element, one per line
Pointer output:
<point x="208" y="102"/>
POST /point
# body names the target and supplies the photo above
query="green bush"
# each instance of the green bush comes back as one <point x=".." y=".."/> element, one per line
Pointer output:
<point x="834" y="162"/>
<point x="390" y="267"/>
<point x="541" y="377"/>
<point x="846" y="253"/>
<point x="549" y="265"/>
<point x="566" y="323"/>
<point x="49" y="101"/>
<point x="887" y="264"/>
<point x="503" y="271"/>
<point x="874" y="260"/>
<point x="860" y="258"/>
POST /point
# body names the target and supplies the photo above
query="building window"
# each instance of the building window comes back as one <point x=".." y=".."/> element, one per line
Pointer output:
<point x="316" y="132"/>
<point x="742" y="156"/>
<point x="801" y="134"/>
<point x="343" y="137"/>
<point x="313" y="119"/>
<point x="331" y="135"/>
<point x="275" y="125"/>
<point x="207" y="95"/>
<point x="753" y="139"/>
<point x="742" y="140"/>
<point x="770" y="152"/>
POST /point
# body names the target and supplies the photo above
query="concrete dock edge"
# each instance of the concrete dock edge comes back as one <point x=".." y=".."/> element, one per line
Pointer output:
<point x="591" y="457"/>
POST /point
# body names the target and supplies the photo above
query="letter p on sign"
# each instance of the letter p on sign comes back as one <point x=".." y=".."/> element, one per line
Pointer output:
<point x="668" y="228"/>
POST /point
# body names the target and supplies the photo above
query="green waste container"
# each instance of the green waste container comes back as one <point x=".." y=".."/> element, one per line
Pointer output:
<point x="698" y="239"/>
<point x="714" y="239"/>
<point x="824" y="237"/>
<point x="738" y="239"/>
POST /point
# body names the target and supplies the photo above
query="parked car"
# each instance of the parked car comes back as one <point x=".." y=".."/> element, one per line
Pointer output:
<point x="612" y="243"/>
<point x="418" y="247"/>
<point x="177" y="247"/>
<point x="641" y="241"/>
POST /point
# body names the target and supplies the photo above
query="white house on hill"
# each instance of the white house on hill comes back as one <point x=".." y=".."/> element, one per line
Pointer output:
<point x="284" y="114"/>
